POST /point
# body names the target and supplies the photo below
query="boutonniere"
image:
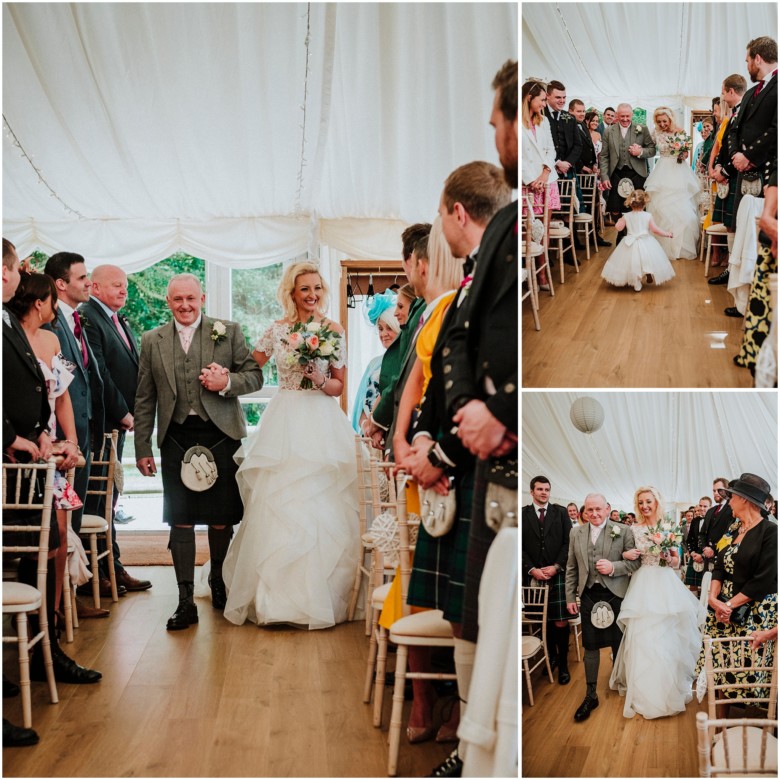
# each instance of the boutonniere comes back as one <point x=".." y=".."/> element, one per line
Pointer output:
<point x="614" y="532"/>
<point x="566" y="116"/>
<point x="218" y="332"/>
<point x="465" y="285"/>
<point x="85" y="321"/>
<point x="639" y="128"/>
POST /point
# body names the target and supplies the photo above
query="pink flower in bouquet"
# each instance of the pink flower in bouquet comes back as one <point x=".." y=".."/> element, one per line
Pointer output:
<point x="295" y="340"/>
<point x="657" y="537"/>
<point x="312" y="342"/>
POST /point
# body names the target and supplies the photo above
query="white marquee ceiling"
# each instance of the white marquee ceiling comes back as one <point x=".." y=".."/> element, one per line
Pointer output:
<point x="676" y="441"/>
<point x="243" y="133"/>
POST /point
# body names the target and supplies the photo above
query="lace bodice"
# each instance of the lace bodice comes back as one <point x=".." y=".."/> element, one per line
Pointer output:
<point x="643" y="544"/>
<point x="662" y="144"/>
<point x="290" y="371"/>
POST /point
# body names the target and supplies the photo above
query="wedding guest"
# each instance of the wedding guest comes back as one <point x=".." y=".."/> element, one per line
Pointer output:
<point x="701" y="155"/>
<point x="403" y="303"/>
<point x="592" y="123"/>
<point x="545" y="545"/>
<point x="715" y="523"/>
<point x="759" y="637"/>
<point x="743" y="593"/>
<point x="116" y="354"/>
<point x="630" y="518"/>
<point x="627" y="147"/>
<point x="586" y="162"/>
<point x="414" y="243"/>
<point x="694" y="571"/>
<point x="563" y="126"/>
<point x="574" y="513"/>
<point x="717" y="110"/>
<point x="608" y="119"/>
<point x="200" y="407"/>
<point x="381" y="314"/>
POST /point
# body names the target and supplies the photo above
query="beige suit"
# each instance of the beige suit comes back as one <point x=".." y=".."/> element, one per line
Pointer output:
<point x="610" y="545"/>
<point x="612" y="142"/>
<point x="156" y="391"/>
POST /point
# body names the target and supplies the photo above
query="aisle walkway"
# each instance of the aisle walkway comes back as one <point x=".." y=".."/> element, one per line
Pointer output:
<point x="216" y="700"/>
<point x="596" y="335"/>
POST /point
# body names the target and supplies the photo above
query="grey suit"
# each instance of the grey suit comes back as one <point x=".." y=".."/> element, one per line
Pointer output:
<point x="157" y="382"/>
<point x="614" y="146"/>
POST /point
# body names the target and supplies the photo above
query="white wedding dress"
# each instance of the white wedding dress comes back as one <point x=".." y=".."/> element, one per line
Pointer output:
<point x="674" y="190"/>
<point x="661" y="621"/>
<point x="293" y="558"/>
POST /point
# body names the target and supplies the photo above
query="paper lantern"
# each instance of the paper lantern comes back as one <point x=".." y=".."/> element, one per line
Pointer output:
<point x="587" y="415"/>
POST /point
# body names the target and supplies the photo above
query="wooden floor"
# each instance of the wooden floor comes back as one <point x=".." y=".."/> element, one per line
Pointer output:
<point x="607" y="744"/>
<point x="216" y="700"/>
<point x="597" y="335"/>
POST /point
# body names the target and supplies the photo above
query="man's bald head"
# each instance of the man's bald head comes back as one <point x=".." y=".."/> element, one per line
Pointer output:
<point x="109" y="286"/>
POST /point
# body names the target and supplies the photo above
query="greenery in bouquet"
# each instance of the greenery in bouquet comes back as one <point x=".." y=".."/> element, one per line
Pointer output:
<point x="681" y="143"/>
<point x="310" y="341"/>
<point x="666" y="535"/>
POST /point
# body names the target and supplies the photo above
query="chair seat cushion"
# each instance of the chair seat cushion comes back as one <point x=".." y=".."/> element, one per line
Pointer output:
<point x="379" y="595"/>
<point x="559" y="232"/>
<point x="734" y="736"/>
<point x="531" y="645"/>
<point x="583" y="218"/>
<point x="535" y="249"/>
<point x="718" y="227"/>
<point x="430" y="623"/>
<point x="20" y="597"/>
<point x="93" y="524"/>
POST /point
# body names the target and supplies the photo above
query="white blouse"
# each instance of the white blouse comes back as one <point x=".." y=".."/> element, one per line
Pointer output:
<point x="538" y="151"/>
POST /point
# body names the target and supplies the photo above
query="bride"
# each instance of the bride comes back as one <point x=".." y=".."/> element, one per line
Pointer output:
<point x="661" y="620"/>
<point x="294" y="555"/>
<point x="674" y="188"/>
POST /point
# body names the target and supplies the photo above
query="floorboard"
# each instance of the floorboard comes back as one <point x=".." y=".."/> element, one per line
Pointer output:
<point x="597" y="335"/>
<point x="216" y="700"/>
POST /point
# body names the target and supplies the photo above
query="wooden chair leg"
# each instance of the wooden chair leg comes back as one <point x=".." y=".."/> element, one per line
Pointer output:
<point x="93" y="557"/>
<point x="528" y="686"/>
<point x="67" y="605"/>
<point x="353" y="597"/>
<point x="379" y="680"/>
<point x="112" y="571"/>
<point x="397" y="713"/>
<point x="371" y="663"/>
<point x="24" y="668"/>
<point x="707" y="255"/>
<point x="560" y="257"/>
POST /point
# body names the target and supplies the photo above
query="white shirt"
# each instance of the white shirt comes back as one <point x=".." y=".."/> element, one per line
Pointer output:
<point x="67" y="315"/>
<point x="595" y="531"/>
<point x="538" y="509"/>
<point x="624" y="130"/>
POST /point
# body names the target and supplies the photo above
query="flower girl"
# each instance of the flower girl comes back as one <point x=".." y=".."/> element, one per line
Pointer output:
<point x="638" y="254"/>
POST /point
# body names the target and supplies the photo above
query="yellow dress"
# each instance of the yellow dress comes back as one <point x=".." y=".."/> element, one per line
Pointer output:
<point x="718" y="142"/>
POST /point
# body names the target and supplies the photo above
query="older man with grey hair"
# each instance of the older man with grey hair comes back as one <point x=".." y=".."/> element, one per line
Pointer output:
<point x="623" y="163"/>
<point x="598" y="574"/>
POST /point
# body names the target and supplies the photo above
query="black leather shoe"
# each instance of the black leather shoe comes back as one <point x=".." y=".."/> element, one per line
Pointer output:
<point x="721" y="278"/>
<point x="588" y="705"/>
<point x="10" y="689"/>
<point x="601" y="242"/>
<point x="452" y="766"/>
<point x="16" y="736"/>
<point x="218" y="592"/>
<point x="186" y="614"/>
<point x="66" y="670"/>
<point x="732" y="311"/>
<point x="563" y="676"/>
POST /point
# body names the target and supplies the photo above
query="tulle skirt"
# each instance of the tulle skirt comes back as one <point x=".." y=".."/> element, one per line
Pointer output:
<point x="673" y="191"/>
<point x="635" y="256"/>
<point x="655" y="666"/>
<point x="294" y="556"/>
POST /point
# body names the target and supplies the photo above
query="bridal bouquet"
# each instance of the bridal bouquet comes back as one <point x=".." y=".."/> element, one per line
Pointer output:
<point x="680" y="143"/>
<point x="311" y="340"/>
<point x="665" y="535"/>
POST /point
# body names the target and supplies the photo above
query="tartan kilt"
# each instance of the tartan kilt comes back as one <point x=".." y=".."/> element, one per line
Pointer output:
<point x="616" y="202"/>
<point x="723" y="210"/>
<point x="556" y="598"/>
<point x="439" y="567"/>
<point x="693" y="577"/>
<point x="219" y="505"/>
<point x="594" y="638"/>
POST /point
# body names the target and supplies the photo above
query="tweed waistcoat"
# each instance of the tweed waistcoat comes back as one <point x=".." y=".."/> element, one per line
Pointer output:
<point x="624" y="160"/>
<point x="186" y="369"/>
<point x="594" y="553"/>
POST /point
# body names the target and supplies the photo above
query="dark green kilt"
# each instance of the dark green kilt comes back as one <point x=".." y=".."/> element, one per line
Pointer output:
<point x="556" y="598"/>
<point x="693" y="577"/>
<point x="439" y="566"/>
<point x="723" y="210"/>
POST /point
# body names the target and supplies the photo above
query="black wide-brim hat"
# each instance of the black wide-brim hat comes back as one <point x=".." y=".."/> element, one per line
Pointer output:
<point x="750" y="487"/>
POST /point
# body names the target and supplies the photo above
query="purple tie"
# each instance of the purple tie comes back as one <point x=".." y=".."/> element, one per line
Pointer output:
<point x="541" y="516"/>
<point x="79" y="334"/>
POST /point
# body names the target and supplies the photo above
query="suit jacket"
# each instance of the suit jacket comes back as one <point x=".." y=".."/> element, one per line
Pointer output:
<point x="480" y="344"/>
<point x="118" y="365"/>
<point x="713" y="528"/>
<point x="692" y="539"/>
<point x="610" y="149"/>
<point x="86" y="389"/>
<point x="156" y="393"/>
<point x="566" y="137"/>
<point x="755" y="128"/>
<point x="609" y="547"/>
<point x="548" y="544"/>
<point x="26" y="409"/>
<point x="538" y="151"/>
<point x="588" y="154"/>
<point x="392" y="363"/>
<point x="755" y="563"/>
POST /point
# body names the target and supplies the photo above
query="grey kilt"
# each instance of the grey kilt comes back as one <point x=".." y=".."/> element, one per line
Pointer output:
<point x="593" y="638"/>
<point x="219" y="505"/>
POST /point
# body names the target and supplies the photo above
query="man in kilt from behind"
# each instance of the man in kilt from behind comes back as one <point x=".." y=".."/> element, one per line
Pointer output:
<point x="545" y="545"/>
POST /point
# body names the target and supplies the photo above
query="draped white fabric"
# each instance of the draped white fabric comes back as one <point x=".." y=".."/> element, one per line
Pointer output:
<point x="243" y="133"/>
<point x="647" y="54"/>
<point x="678" y="442"/>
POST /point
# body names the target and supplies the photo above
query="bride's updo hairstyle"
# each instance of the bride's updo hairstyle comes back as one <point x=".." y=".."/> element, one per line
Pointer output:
<point x="657" y="496"/>
<point x="638" y="199"/>
<point x="666" y="111"/>
<point x="284" y="293"/>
